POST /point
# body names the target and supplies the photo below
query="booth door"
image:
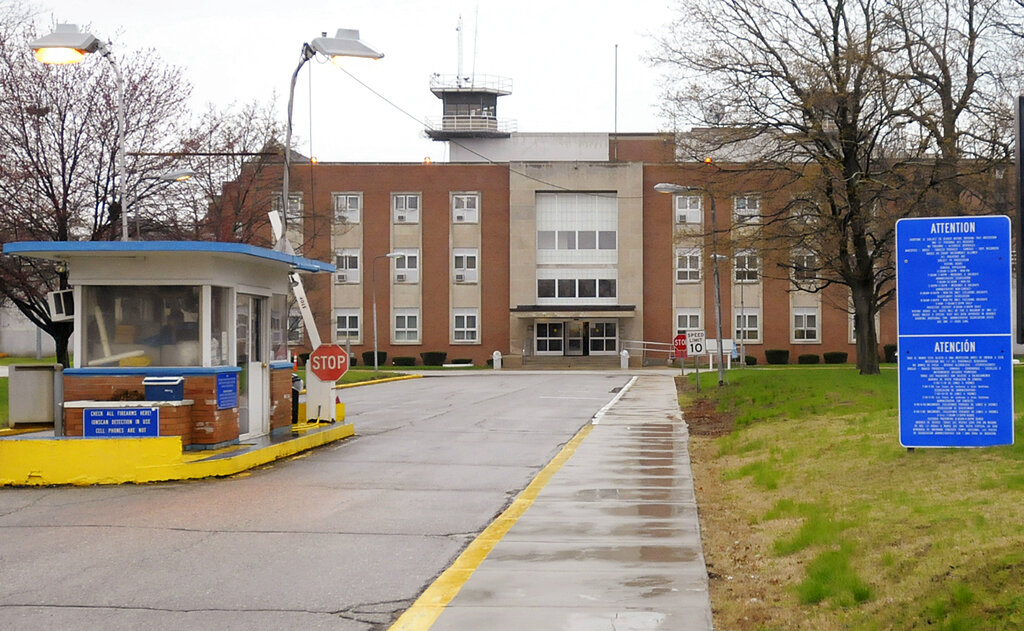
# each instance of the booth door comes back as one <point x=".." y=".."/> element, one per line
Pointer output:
<point x="254" y="380"/>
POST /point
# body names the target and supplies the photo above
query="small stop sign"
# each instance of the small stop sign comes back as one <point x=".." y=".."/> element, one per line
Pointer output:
<point x="679" y="343"/>
<point x="328" y="362"/>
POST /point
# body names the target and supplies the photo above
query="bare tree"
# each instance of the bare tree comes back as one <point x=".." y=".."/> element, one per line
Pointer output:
<point x="57" y="170"/>
<point x="863" y="110"/>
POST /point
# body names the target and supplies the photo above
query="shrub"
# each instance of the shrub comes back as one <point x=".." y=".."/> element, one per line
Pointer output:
<point x="890" y="353"/>
<point x="835" y="357"/>
<point x="750" y="360"/>
<point x="404" y="361"/>
<point x="352" y="361"/>
<point x="463" y="361"/>
<point x="776" y="356"/>
<point x="382" y="358"/>
<point x="433" y="358"/>
<point x="808" y="358"/>
<point x="490" y="363"/>
<point x="303" y="358"/>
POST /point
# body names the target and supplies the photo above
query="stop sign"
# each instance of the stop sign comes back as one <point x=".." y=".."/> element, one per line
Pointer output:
<point x="679" y="343"/>
<point x="328" y="362"/>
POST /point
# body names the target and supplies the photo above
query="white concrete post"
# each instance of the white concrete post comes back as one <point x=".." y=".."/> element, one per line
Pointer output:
<point x="496" y="358"/>
<point x="624" y="360"/>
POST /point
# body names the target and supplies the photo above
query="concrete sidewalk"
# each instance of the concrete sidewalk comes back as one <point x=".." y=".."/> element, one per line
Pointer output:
<point x="612" y="542"/>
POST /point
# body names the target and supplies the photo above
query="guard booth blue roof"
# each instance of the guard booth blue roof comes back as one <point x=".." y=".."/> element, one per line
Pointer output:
<point x="59" y="249"/>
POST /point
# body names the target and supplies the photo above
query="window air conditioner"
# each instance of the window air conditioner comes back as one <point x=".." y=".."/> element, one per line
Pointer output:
<point x="460" y="218"/>
<point x="341" y="277"/>
<point x="400" y="218"/>
<point x="460" y="278"/>
<point x="399" y="278"/>
<point x="61" y="304"/>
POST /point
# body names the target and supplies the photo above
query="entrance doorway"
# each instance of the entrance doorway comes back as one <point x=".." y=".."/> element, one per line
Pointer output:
<point x="576" y="338"/>
<point x="254" y="379"/>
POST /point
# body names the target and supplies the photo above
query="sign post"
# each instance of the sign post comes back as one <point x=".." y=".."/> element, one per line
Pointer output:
<point x="679" y="344"/>
<point x="696" y="345"/>
<point x="955" y="332"/>
<point x="327" y="363"/>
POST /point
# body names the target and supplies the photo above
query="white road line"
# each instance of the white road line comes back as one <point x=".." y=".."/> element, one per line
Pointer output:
<point x="600" y="413"/>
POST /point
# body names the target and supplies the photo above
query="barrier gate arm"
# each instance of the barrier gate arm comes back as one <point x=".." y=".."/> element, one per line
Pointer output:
<point x="295" y="281"/>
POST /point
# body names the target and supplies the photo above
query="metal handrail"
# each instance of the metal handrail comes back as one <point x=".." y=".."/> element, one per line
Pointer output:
<point x="477" y="82"/>
<point x="650" y="351"/>
<point x="469" y="122"/>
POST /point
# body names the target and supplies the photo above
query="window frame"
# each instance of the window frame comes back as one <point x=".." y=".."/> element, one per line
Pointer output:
<point x="353" y="276"/>
<point x="688" y="313"/>
<point x="747" y="313"/>
<point x="401" y="266"/>
<point x="410" y="216"/>
<point x="799" y="327"/>
<point x="345" y="216"/>
<point x="471" y="333"/>
<point x="470" y="275"/>
<point x="347" y="312"/>
<point x="746" y="256"/>
<point x="469" y="215"/>
<point x="405" y="330"/>
<point x="744" y="212"/>
<point x="688" y="216"/>
<point x="686" y="274"/>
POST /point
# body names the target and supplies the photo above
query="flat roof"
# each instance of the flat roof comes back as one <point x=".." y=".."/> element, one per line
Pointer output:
<point x="58" y="250"/>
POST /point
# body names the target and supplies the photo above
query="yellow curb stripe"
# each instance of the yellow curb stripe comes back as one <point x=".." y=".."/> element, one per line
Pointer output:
<point x="373" y="381"/>
<point x="422" y="614"/>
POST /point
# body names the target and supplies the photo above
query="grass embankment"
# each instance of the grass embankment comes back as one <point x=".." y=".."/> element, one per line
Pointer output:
<point x="814" y="517"/>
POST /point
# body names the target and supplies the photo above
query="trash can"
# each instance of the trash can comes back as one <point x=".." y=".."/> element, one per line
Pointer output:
<point x="164" y="388"/>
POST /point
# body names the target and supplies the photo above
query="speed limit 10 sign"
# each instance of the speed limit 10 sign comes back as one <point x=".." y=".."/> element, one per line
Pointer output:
<point x="695" y="344"/>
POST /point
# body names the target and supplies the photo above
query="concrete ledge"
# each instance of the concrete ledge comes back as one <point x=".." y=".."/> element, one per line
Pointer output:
<point x="87" y="461"/>
<point x="370" y="383"/>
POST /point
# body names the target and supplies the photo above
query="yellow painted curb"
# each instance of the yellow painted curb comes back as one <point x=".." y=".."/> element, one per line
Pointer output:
<point x="373" y="381"/>
<point x="422" y="614"/>
<point x="85" y="461"/>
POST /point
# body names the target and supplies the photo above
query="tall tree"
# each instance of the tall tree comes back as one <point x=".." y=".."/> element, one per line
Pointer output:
<point x="57" y="170"/>
<point x="865" y="107"/>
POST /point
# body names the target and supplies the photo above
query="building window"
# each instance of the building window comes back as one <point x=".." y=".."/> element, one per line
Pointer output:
<point x="805" y="324"/>
<point x="549" y="337"/>
<point x="603" y="337"/>
<point x="465" y="325"/>
<point x="687" y="266"/>
<point x="747" y="267"/>
<point x="406" y="207"/>
<point x="577" y="239"/>
<point x="346" y="325"/>
<point x="466" y="265"/>
<point x="746" y="209"/>
<point x="407" y="266"/>
<point x="748" y="324"/>
<point x="294" y="210"/>
<point x="466" y="208"/>
<point x="545" y="287"/>
<point x="688" y="209"/>
<point x="687" y="320"/>
<point x="606" y="288"/>
<point x="805" y="266"/>
<point x="566" y="287"/>
<point x="347" y="207"/>
<point x="347" y="262"/>
<point x="407" y="325"/>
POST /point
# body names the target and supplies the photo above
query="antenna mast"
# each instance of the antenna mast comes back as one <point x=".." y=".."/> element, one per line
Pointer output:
<point x="458" y="29"/>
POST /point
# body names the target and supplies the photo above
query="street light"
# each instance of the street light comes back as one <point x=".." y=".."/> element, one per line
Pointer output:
<point x="344" y="44"/>
<point x="68" y="45"/>
<point x="373" y="274"/>
<point x="665" y="187"/>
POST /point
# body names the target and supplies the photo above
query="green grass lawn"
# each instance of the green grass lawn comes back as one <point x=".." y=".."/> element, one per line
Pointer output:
<point x="814" y="517"/>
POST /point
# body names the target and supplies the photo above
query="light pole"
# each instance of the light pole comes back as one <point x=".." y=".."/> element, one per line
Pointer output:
<point x="68" y="45"/>
<point x="345" y="43"/>
<point x="665" y="187"/>
<point x="373" y="274"/>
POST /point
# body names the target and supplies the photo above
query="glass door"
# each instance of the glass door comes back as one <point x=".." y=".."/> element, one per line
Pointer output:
<point x="574" y="337"/>
<point x="254" y="379"/>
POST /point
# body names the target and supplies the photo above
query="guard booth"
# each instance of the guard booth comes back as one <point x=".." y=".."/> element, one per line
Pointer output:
<point x="194" y="330"/>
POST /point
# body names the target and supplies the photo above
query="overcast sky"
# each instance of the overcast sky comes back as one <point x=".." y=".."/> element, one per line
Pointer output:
<point x="560" y="55"/>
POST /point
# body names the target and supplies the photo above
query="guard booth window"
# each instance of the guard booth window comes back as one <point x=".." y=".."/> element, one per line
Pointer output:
<point x="141" y="326"/>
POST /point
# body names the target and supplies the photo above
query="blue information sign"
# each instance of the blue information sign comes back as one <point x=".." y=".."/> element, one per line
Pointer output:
<point x="227" y="390"/>
<point x="120" y="422"/>
<point x="955" y="331"/>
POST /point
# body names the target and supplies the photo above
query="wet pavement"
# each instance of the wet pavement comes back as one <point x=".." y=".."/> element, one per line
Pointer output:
<point x="612" y="542"/>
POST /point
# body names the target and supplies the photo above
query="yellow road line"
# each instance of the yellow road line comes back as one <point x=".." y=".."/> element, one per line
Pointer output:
<point x="432" y="602"/>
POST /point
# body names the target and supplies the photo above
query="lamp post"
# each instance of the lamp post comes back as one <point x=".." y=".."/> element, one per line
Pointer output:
<point x="373" y="274"/>
<point x="68" y="45"/>
<point x="345" y="43"/>
<point x="665" y="187"/>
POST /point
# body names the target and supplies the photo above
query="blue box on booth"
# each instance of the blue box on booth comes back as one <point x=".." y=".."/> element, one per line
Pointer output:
<point x="164" y="388"/>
